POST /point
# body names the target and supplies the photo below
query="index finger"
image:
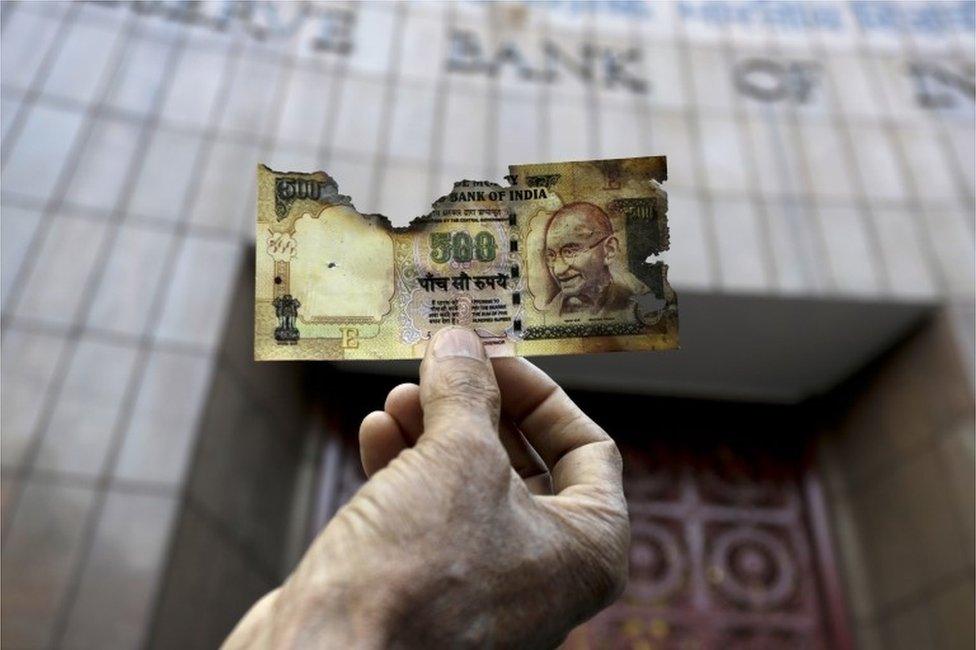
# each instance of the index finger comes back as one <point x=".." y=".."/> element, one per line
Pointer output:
<point x="578" y="452"/>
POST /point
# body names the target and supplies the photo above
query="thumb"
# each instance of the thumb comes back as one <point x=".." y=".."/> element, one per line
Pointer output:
<point x="458" y="391"/>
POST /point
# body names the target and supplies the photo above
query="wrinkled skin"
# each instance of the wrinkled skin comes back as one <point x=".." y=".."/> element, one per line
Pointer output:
<point x="494" y="517"/>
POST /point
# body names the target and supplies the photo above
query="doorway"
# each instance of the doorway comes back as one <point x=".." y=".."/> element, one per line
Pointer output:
<point x="730" y="542"/>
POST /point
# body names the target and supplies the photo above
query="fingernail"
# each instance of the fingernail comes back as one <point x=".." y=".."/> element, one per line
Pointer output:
<point x="458" y="342"/>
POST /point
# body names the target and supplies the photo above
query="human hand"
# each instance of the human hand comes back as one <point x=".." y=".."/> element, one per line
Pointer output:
<point x="446" y="545"/>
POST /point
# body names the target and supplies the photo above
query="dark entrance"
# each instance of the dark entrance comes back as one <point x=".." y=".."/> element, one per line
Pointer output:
<point x="729" y="542"/>
<point x="730" y="547"/>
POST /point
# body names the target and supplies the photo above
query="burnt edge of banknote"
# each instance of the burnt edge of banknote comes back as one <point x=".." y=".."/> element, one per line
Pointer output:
<point x="583" y="331"/>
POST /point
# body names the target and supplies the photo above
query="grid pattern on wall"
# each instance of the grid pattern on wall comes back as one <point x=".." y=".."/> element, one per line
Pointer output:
<point x="805" y="161"/>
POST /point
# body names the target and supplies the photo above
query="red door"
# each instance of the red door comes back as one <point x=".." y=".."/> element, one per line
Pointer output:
<point x="730" y="547"/>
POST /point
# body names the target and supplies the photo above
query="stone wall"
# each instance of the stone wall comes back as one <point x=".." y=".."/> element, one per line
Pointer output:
<point x="898" y="462"/>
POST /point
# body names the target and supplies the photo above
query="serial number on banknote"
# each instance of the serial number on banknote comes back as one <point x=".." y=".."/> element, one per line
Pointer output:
<point x="564" y="259"/>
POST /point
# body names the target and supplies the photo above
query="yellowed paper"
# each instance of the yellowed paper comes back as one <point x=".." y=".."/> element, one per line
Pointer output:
<point x="561" y="260"/>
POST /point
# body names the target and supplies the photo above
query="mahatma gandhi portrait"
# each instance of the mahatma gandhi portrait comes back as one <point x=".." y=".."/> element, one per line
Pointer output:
<point x="579" y="245"/>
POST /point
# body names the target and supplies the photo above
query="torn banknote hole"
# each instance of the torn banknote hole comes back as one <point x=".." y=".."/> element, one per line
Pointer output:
<point x="563" y="259"/>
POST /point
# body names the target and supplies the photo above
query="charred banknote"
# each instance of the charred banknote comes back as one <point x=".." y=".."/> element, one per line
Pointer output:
<point x="564" y="259"/>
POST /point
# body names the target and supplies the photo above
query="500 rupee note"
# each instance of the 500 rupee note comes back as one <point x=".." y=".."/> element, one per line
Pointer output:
<point x="561" y="260"/>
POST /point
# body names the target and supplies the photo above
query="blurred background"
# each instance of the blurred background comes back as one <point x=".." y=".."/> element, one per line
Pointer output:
<point x="800" y="474"/>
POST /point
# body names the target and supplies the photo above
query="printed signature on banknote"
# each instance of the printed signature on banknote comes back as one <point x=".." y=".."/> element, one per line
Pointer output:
<point x="563" y="259"/>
